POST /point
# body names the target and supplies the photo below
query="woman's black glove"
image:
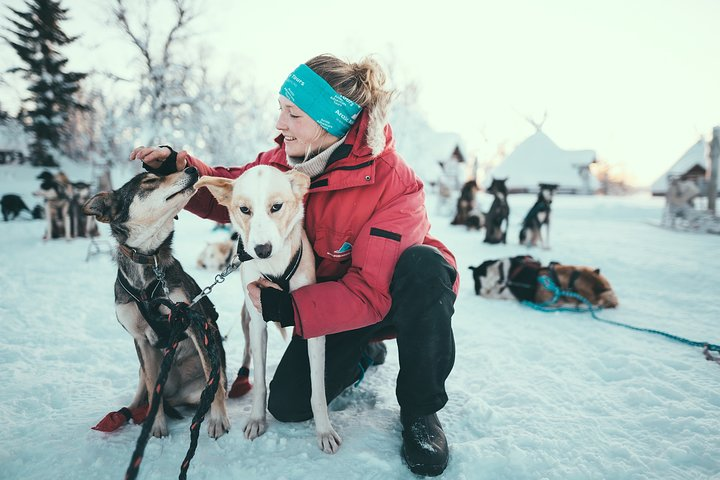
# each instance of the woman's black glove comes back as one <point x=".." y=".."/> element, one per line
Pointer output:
<point x="168" y="166"/>
<point x="277" y="306"/>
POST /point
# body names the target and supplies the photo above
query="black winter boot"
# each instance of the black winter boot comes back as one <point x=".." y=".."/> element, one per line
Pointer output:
<point x="425" y="448"/>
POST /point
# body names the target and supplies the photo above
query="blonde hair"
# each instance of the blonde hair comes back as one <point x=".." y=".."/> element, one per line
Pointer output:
<point x="363" y="83"/>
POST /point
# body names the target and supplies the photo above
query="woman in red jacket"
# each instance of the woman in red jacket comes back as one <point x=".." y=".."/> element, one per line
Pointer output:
<point x="380" y="274"/>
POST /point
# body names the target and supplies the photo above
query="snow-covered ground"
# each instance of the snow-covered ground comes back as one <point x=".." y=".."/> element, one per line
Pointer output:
<point x="533" y="395"/>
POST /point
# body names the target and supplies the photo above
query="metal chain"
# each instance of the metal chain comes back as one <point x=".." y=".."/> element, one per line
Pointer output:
<point x="160" y="275"/>
<point x="219" y="278"/>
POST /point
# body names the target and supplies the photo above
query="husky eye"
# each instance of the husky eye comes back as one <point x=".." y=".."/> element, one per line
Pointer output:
<point x="245" y="210"/>
<point x="275" y="207"/>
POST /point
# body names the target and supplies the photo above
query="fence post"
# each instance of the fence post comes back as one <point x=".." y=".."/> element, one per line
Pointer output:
<point x="712" y="181"/>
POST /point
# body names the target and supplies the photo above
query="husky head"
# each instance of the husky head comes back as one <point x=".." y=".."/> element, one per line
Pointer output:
<point x="265" y="205"/>
<point x="594" y="287"/>
<point x="498" y="188"/>
<point x="546" y="192"/>
<point x="468" y="191"/>
<point x="141" y="212"/>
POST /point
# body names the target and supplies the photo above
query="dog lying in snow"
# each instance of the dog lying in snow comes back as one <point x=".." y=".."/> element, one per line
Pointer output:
<point x="140" y="214"/>
<point x="266" y="209"/>
<point x="516" y="278"/>
<point x="216" y="256"/>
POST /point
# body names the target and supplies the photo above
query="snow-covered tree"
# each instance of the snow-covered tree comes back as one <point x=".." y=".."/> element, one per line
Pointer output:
<point x="233" y="121"/>
<point x="167" y="80"/>
<point x="37" y="37"/>
<point x="177" y="101"/>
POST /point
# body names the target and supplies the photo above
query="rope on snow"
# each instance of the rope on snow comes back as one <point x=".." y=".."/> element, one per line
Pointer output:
<point x="546" y="282"/>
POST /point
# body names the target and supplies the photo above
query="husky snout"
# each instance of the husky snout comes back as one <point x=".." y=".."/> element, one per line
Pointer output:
<point x="264" y="250"/>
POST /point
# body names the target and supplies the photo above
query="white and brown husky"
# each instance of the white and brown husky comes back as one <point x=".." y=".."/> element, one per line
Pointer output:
<point x="266" y="208"/>
<point x="140" y="214"/>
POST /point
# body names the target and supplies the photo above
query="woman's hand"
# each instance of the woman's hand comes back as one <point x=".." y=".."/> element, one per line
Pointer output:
<point x="154" y="157"/>
<point x="254" y="289"/>
<point x="277" y="303"/>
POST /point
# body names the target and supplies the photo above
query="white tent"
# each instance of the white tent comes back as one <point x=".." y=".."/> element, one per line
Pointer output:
<point x="695" y="157"/>
<point x="539" y="160"/>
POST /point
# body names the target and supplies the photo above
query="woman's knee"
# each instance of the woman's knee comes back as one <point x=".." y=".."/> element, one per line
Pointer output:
<point x="421" y="263"/>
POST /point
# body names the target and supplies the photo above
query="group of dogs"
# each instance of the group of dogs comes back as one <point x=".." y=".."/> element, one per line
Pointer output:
<point x="266" y="210"/>
<point x="62" y="210"/>
<point x="518" y="277"/>
<point x="495" y="221"/>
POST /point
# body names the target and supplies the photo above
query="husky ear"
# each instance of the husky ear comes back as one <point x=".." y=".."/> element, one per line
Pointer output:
<point x="100" y="206"/>
<point x="300" y="183"/>
<point x="597" y="271"/>
<point x="220" y="187"/>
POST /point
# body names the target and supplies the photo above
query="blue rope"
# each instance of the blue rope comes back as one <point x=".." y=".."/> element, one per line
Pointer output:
<point x="547" y="283"/>
<point x="363" y="368"/>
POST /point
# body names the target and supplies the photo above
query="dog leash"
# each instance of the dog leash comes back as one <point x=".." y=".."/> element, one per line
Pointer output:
<point x="181" y="318"/>
<point x="546" y="282"/>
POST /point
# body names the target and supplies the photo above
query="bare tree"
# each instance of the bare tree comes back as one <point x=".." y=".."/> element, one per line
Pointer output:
<point x="167" y="81"/>
<point x="233" y="120"/>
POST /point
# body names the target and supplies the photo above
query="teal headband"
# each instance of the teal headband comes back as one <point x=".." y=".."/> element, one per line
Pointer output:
<point x="335" y="113"/>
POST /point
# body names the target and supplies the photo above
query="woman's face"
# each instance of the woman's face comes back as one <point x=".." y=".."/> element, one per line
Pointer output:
<point x="302" y="133"/>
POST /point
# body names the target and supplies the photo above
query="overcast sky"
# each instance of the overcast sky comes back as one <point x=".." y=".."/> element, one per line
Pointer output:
<point x="636" y="81"/>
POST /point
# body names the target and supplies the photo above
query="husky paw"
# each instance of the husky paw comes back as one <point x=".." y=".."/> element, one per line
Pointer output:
<point x="159" y="428"/>
<point x="217" y="427"/>
<point x="329" y="442"/>
<point x="254" y="428"/>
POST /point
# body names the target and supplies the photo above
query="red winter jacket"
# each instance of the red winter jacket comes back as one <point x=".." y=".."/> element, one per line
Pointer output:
<point x="360" y="214"/>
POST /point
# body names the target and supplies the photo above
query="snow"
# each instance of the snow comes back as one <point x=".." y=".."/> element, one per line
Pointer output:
<point x="533" y="395"/>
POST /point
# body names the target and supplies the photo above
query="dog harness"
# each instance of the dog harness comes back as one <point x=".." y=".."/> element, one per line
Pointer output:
<point x="553" y="276"/>
<point x="522" y="277"/>
<point x="283" y="281"/>
<point x="152" y="315"/>
<point x="143" y="298"/>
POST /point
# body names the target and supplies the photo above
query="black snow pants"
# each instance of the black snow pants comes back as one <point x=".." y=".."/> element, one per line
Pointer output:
<point x="420" y="317"/>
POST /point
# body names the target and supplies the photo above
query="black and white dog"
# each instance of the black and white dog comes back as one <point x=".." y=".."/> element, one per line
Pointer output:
<point x="496" y="220"/>
<point x="539" y="215"/>
<point x="140" y="214"/>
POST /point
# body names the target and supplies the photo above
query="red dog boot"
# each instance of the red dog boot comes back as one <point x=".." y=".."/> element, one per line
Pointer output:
<point x="139" y="413"/>
<point x="113" y="420"/>
<point x="241" y="385"/>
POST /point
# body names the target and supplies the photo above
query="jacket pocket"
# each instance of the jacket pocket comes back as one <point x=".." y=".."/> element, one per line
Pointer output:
<point x="381" y="256"/>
